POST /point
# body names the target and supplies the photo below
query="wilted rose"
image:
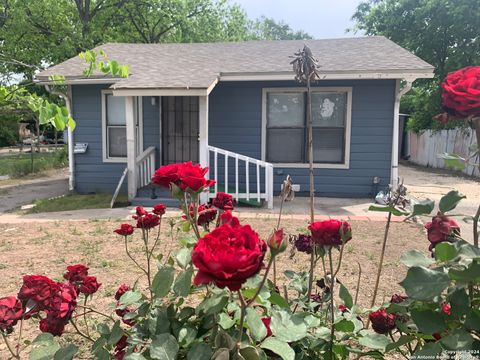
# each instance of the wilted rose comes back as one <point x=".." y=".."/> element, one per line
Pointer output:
<point x="121" y="290"/>
<point x="441" y="228"/>
<point x="382" y="321"/>
<point x="11" y="310"/>
<point x="76" y="273"/>
<point x="89" y="285"/>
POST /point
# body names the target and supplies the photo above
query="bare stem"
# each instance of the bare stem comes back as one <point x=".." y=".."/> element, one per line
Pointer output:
<point x="263" y="281"/>
<point x="358" y="282"/>
<point x="193" y="222"/>
<point x="81" y="333"/>
<point x="332" y="308"/>
<point x="95" y="311"/>
<point x="310" y="274"/>
<point x="147" y="254"/>
<point x="340" y="257"/>
<point x="243" y="309"/>
<point x="19" y="340"/>
<point x="9" y="347"/>
<point x="132" y="258"/>
<point x="475" y="226"/>
<point x="85" y="315"/>
<point x="380" y="264"/>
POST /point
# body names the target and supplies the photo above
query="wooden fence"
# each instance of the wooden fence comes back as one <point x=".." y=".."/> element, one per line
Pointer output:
<point x="425" y="148"/>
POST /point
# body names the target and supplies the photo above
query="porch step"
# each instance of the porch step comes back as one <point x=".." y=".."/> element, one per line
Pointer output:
<point x="149" y="202"/>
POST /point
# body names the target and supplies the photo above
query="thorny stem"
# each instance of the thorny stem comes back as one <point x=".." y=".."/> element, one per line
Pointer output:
<point x="79" y="332"/>
<point x="9" y="347"/>
<point x="243" y="309"/>
<point x="332" y="309"/>
<point x="20" y="328"/>
<point x="380" y="264"/>
<point x="95" y="311"/>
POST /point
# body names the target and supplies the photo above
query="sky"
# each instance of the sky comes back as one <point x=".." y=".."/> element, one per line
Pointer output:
<point x="323" y="19"/>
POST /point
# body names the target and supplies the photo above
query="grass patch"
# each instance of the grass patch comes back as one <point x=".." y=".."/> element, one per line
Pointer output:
<point x="19" y="165"/>
<point x="76" y="202"/>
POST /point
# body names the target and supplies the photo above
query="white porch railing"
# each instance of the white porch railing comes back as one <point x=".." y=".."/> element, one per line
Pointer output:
<point x="239" y="185"/>
<point x="145" y="167"/>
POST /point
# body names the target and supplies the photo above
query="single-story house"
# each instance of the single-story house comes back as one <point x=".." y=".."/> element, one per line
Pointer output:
<point x="237" y="108"/>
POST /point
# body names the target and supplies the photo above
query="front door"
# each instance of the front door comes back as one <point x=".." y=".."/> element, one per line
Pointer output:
<point x="179" y="129"/>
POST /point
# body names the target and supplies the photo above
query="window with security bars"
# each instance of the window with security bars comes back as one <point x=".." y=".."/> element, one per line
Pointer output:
<point x="287" y="130"/>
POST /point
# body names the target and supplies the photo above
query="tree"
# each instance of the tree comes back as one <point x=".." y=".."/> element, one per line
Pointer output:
<point x="269" y="29"/>
<point x="441" y="32"/>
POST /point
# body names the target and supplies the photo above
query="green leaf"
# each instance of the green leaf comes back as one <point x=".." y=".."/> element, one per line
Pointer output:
<point x="223" y="340"/>
<point x="250" y="353"/>
<point x="183" y="283"/>
<point x="212" y="305"/>
<point x="459" y="301"/>
<point x="164" y="347"/>
<point x="445" y="251"/>
<point x="450" y="201"/>
<point x="44" y="348"/>
<point x="288" y="327"/>
<point x="472" y="321"/>
<point x="375" y="341"/>
<point x="390" y="209"/>
<point x="221" y="354"/>
<point x="404" y="339"/>
<point x="276" y="299"/>
<point x="130" y="297"/>
<point x="415" y="258"/>
<point x="428" y="351"/>
<point x="345" y="326"/>
<point x="279" y="347"/>
<point x="116" y="334"/>
<point x="423" y="207"/>
<point x="43" y="338"/>
<point x="66" y="353"/>
<point x="134" y="356"/>
<point x="346" y="297"/>
<point x="163" y="280"/>
<point x="225" y="321"/>
<point x="186" y="335"/>
<point x="184" y="257"/>
<point x="457" y="339"/>
<point x="428" y="321"/>
<point x="255" y="325"/>
<point x="200" y="352"/>
<point x="424" y="284"/>
<point x="470" y="274"/>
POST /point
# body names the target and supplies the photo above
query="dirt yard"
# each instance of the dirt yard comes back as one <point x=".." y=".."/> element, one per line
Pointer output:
<point x="47" y="248"/>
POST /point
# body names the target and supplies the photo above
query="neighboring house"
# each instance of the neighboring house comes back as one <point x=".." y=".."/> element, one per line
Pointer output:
<point x="238" y="102"/>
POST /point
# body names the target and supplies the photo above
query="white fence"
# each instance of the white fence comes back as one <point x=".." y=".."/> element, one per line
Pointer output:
<point x="145" y="167"/>
<point x="425" y="148"/>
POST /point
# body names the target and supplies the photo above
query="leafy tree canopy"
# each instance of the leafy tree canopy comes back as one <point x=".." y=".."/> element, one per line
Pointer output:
<point x="442" y="32"/>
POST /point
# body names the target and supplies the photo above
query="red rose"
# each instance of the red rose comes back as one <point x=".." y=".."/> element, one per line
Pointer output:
<point x="159" y="209"/>
<point x="266" y="321"/>
<point x="397" y="299"/>
<point x="330" y="232"/>
<point x="89" y="285"/>
<point x="441" y="228"/>
<point x="277" y="242"/>
<point x="75" y="273"/>
<point x="192" y="177"/>
<point x="141" y="211"/>
<point x="38" y="288"/>
<point x="446" y="309"/>
<point x="228" y="219"/>
<point x="52" y="325"/>
<point x="342" y="308"/>
<point x="382" y="321"/>
<point x="124" y="230"/>
<point x="148" y="221"/>
<point x="223" y="201"/>
<point x="120" y="348"/>
<point x="303" y="243"/>
<point x="228" y="256"/>
<point x="166" y="175"/>
<point x="63" y="302"/>
<point x="121" y="313"/>
<point x="11" y="310"/>
<point x="461" y="92"/>
<point x="121" y="290"/>
<point x="206" y="214"/>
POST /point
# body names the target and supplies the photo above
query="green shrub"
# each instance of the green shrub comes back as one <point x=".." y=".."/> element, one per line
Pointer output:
<point x="20" y="165"/>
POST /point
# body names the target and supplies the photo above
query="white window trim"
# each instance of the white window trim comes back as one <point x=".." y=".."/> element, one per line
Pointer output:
<point x="105" y="156"/>
<point x="348" y="125"/>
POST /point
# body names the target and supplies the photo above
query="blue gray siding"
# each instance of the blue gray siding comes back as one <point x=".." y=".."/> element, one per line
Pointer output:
<point x="235" y="124"/>
<point x="92" y="174"/>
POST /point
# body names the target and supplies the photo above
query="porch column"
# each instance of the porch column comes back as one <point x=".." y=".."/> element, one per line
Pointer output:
<point x="203" y="136"/>
<point x="131" y="146"/>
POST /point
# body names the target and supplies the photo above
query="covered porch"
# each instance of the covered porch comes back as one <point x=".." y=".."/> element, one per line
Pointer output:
<point x="183" y="135"/>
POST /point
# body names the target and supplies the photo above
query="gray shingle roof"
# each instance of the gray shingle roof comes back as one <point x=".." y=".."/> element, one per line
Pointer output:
<point x="197" y="65"/>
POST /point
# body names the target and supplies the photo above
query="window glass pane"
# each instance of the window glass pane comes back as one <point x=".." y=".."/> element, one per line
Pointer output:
<point x="285" y="145"/>
<point x="328" y="145"/>
<point x="117" y="142"/>
<point x="115" y="110"/>
<point x="285" y="109"/>
<point x="328" y="109"/>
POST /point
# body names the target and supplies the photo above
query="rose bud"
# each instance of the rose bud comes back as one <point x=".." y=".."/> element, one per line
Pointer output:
<point x="446" y="309"/>
<point x="89" y="285"/>
<point x="124" y="230"/>
<point x="121" y="290"/>
<point x="277" y="242"/>
<point x="397" y="299"/>
<point x="159" y="209"/>
<point x="382" y="321"/>
<point x="266" y="321"/>
<point x="343" y="308"/>
<point x="11" y="310"/>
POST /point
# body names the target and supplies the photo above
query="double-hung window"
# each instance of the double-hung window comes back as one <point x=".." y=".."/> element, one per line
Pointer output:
<point x="115" y="127"/>
<point x="286" y="130"/>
